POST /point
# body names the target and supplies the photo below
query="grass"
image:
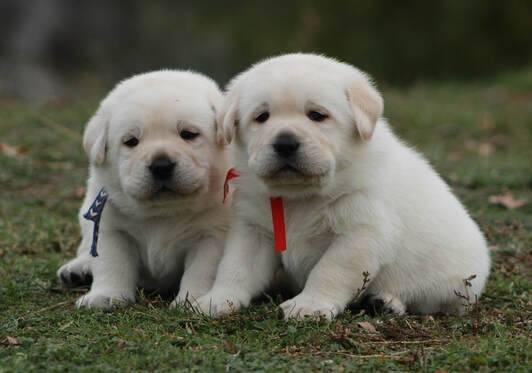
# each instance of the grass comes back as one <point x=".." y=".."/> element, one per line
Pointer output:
<point x="478" y="136"/>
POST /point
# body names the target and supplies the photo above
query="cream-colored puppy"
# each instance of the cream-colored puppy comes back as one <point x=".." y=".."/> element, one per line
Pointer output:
<point x="152" y="146"/>
<point x="356" y="199"/>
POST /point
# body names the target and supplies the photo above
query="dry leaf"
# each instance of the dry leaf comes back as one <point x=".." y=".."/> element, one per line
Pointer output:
<point x="507" y="200"/>
<point x="454" y="157"/>
<point x="368" y="326"/>
<point x="121" y="345"/>
<point x="79" y="191"/>
<point x="13" y="341"/>
<point x="486" y="124"/>
<point x="485" y="148"/>
<point x="229" y="346"/>
<point x="12" y="151"/>
<point x="440" y="371"/>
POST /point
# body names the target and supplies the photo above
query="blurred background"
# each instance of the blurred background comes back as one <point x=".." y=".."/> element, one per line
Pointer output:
<point x="66" y="48"/>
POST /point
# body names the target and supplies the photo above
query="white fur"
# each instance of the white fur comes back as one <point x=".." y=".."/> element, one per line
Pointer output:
<point x="361" y="201"/>
<point x="158" y="239"/>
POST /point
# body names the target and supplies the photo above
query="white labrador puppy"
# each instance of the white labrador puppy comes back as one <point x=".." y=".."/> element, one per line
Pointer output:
<point x="152" y="146"/>
<point x="356" y="199"/>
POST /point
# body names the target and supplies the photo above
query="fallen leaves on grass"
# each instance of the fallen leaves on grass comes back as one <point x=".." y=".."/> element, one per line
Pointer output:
<point x="229" y="346"/>
<point x="483" y="148"/>
<point x="79" y="191"/>
<point x="121" y="345"/>
<point x="11" y="341"/>
<point x="13" y="151"/>
<point x="367" y="326"/>
<point x="507" y="200"/>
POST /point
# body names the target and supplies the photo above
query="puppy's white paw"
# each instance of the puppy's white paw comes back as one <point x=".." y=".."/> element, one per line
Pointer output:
<point x="302" y="305"/>
<point x="185" y="299"/>
<point x="77" y="272"/>
<point x="217" y="304"/>
<point x="104" y="300"/>
<point x="390" y="302"/>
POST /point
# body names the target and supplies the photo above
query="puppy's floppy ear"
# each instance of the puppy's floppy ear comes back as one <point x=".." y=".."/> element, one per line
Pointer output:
<point x="95" y="138"/>
<point x="227" y="119"/>
<point x="366" y="106"/>
<point x="216" y="101"/>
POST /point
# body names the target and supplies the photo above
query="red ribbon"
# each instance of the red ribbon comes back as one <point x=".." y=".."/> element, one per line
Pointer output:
<point x="276" y="203"/>
<point x="231" y="174"/>
<point x="279" y="233"/>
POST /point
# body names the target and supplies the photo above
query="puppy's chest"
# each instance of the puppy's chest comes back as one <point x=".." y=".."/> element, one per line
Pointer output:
<point x="308" y="236"/>
<point x="162" y="248"/>
<point x="306" y="241"/>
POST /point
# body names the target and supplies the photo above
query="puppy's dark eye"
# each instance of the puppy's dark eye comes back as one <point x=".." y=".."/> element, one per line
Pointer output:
<point x="316" y="116"/>
<point x="262" y="117"/>
<point x="131" y="142"/>
<point x="188" y="135"/>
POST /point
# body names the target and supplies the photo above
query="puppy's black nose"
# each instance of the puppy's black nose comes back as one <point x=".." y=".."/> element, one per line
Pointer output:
<point x="286" y="145"/>
<point x="162" y="168"/>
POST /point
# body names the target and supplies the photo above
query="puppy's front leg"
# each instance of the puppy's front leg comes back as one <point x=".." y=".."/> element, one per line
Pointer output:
<point x="337" y="277"/>
<point x="247" y="268"/>
<point x="115" y="272"/>
<point x="200" y="269"/>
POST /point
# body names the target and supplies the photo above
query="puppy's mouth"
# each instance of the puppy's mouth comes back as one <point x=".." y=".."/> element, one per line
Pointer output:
<point x="289" y="174"/>
<point x="287" y="170"/>
<point x="164" y="192"/>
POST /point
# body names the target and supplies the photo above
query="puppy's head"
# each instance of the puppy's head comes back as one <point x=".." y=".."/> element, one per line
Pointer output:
<point x="153" y="139"/>
<point x="295" y="118"/>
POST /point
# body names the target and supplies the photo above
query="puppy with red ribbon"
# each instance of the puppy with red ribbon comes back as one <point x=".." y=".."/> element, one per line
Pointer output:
<point x="328" y="192"/>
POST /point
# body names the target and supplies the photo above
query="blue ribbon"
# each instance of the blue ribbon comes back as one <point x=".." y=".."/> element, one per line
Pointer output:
<point x="95" y="214"/>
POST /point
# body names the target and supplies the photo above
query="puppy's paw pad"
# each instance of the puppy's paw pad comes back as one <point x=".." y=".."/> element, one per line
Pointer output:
<point x="103" y="301"/>
<point x="301" y="306"/>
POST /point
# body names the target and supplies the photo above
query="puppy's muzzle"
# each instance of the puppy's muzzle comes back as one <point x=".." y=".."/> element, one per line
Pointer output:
<point x="286" y="145"/>
<point x="162" y="168"/>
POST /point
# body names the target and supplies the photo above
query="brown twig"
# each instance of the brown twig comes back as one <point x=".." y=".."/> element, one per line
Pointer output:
<point x="49" y="308"/>
<point x="54" y="306"/>
<point x="406" y="342"/>
<point x="393" y="355"/>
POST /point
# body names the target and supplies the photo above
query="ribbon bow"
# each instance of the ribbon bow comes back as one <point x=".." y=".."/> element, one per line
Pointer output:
<point x="94" y="214"/>
<point x="276" y="204"/>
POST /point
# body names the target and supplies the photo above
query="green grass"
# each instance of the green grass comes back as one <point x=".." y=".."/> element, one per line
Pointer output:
<point x="477" y="135"/>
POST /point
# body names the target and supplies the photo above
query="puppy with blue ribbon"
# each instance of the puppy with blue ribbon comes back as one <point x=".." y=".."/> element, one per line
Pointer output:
<point x="153" y="215"/>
